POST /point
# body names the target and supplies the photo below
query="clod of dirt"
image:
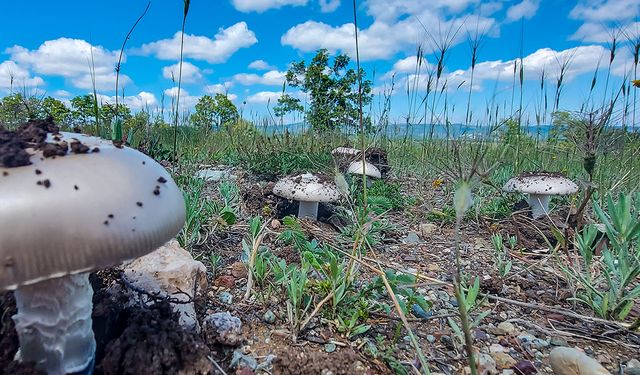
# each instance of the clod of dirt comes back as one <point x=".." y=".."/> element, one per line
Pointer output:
<point x="345" y="362"/>
<point x="78" y="147"/>
<point x="154" y="343"/>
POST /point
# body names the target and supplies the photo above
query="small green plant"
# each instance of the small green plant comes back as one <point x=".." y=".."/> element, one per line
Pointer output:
<point x="606" y="284"/>
<point x="469" y="296"/>
<point x="501" y="255"/>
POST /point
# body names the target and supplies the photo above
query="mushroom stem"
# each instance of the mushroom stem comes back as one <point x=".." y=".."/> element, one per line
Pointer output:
<point x="539" y="204"/>
<point x="308" y="209"/>
<point x="54" y="324"/>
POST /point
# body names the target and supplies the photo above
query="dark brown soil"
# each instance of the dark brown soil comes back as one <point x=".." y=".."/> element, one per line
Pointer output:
<point x="154" y="343"/>
<point x="342" y="362"/>
<point x="31" y="134"/>
<point x="9" y="340"/>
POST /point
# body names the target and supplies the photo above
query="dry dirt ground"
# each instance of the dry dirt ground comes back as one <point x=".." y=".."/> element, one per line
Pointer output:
<point x="530" y="310"/>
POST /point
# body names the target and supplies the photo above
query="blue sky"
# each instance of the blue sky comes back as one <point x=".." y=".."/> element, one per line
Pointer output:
<point x="243" y="47"/>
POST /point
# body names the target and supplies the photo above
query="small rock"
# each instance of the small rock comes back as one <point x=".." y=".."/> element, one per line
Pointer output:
<point x="239" y="270"/>
<point x="225" y="281"/>
<point x="507" y="328"/>
<point x="508" y="372"/>
<point x="525" y="368"/>
<point x="172" y="271"/>
<point x="486" y="364"/>
<point x="431" y="338"/>
<point x="443" y="296"/>
<point x="419" y="312"/>
<point x="447" y="341"/>
<point x="226" y="298"/>
<point x="411" y="238"/>
<point x="275" y="224"/>
<point x="215" y="175"/>
<point x="496" y="348"/>
<point x="480" y="335"/>
<point x="632" y="367"/>
<point x="433" y="267"/>
<point x="557" y="341"/>
<point x="427" y="229"/>
<point x="222" y="328"/>
<point x="330" y="347"/>
<point x="269" y="317"/>
<point x="503" y="360"/>
<point x="570" y="361"/>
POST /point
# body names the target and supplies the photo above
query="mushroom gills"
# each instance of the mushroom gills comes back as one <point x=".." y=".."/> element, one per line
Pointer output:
<point x="539" y="204"/>
<point x="54" y="324"/>
<point x="308" y="209"/>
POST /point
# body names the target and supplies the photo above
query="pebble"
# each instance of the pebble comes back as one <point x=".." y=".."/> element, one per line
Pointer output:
<point x="507" y="328"/>
<point x="419" y="312"/>
<point x="269" y="317"/>
<point x="226" y="298"/>
<point x="330" y="347"/>
<point x="411" y="238"/>
<point x="496" y="348"/>
<point x="557" y="341"/>
<point x="431" y="338"/>
<point x="570" y="361"/>
<point x="225" y="281"/>
<point x="239" y="270"/>
<point x="486" y="364"/>
<point x="633" y="367"/>
<point x="427" y="229"/>
<point x="503" y="360"/>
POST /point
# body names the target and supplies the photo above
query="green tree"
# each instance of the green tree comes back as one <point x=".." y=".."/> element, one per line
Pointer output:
<point x="332" y="88"/>
<point x="215" y="111"/>
<point x="83" y="110"/>
<point x="16" y="108"/>
<point x="57" y="109"/>
<point x="287" y="104"/>
<point x="108" y="112"/>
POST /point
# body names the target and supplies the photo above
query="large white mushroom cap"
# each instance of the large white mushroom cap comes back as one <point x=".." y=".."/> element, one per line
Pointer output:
<point x="89" y="209"/>
<point x="541" y="183"/>
<point x="306" y="188"/>
<point x="369" y="169"/>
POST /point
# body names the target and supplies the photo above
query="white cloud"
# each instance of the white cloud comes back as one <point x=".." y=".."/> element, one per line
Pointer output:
<point x="72" y="59"/>
<point x="190" y="72"/>
<point x="225" y="43"/>
<point x="525" y="9"/>
<point x="270" y="78"/>
<point x="605" y="10"/>
<point x="260" y="65"/>
<point x="263" y="97"/>
<point x="263" y="5"/>
<point x="328" y="6"/>
<point x="582" y="59"/>
<point x="61" y="94"/>
<point x="398" y="28"/>
<point x="187" y="101"/>
<point x="13" y="76"/>
<point x="140" y="101"/>
<point x="220" y="88"/>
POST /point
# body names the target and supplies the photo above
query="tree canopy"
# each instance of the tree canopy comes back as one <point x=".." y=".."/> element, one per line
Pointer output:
<point x="217" y="111"/>
<point x="332" y="88"/>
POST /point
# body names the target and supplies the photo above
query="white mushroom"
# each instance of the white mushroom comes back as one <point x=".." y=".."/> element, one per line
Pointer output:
<point x="63" y="216"/>
<point x="308" y="190"/>
<point x="540" y="186"/>
<point x="370" y="170"/>
<point x="345" y="152"/>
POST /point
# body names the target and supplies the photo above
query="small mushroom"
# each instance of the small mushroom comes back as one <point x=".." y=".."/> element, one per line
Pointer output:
<point x="345" y="152"/>
<point x="368" y="169"/>
<point x="308" y="190"/>
<point x="540" y="186"/>
<point x="54" y="237"/>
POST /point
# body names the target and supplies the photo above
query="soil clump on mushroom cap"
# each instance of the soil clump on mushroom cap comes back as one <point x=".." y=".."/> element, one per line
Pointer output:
<point x="33" y="135"/>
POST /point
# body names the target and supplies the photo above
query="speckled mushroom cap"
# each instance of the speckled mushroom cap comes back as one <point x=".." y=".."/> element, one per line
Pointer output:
<point x="543" y="183"/>
<point x="86" y="210"/>
<point x="345" y="151"/>
<point x="306" y="188"/>
<point x="369" y="169"/>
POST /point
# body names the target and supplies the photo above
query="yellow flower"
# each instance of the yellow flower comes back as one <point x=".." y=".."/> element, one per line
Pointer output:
<point x="437" y="183"/>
